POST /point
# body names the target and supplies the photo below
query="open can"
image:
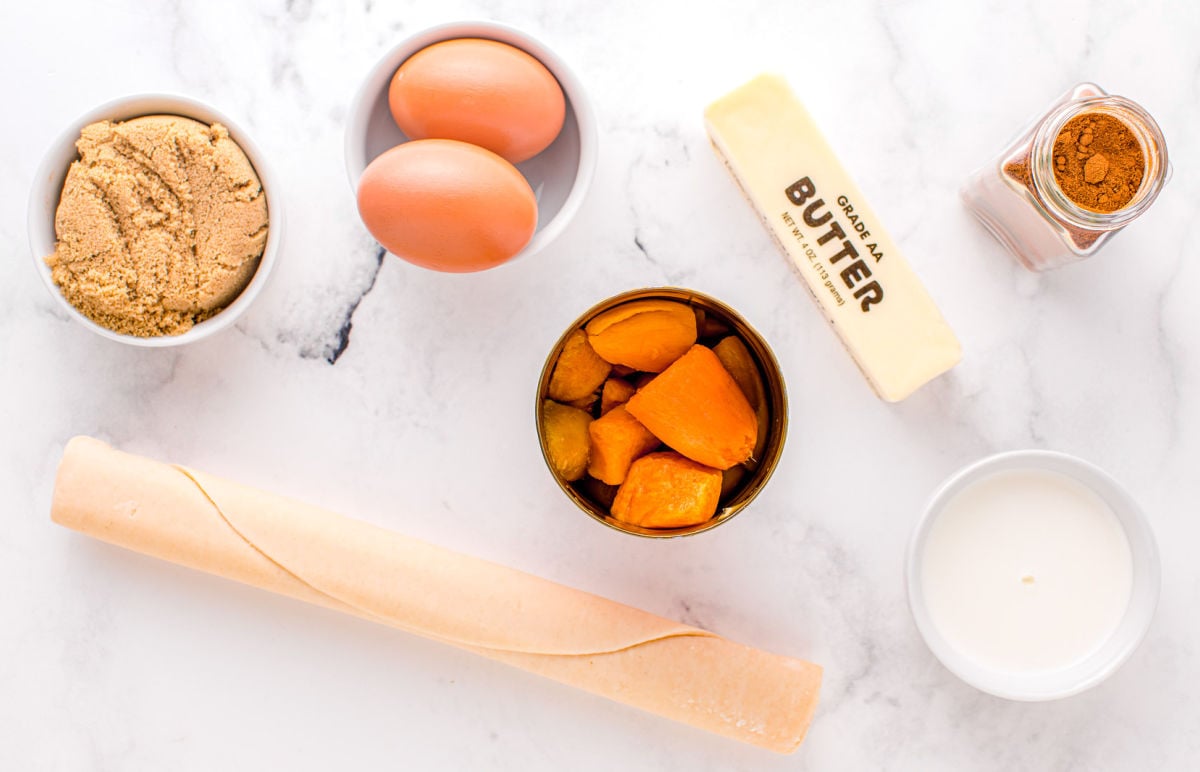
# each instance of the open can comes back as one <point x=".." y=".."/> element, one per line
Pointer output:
<point x="715" y="322"/>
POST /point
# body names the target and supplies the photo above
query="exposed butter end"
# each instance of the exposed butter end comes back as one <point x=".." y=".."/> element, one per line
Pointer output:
<point x="766" y="85"/>
<point x="823" y="223"/>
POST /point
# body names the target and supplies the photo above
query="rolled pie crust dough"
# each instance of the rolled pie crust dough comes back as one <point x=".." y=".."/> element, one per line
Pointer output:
<point x="674" y="670"/>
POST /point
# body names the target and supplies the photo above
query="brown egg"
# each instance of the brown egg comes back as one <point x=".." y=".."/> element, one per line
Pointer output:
<point x="479" y="91"/>
<point x="447" y="205"/>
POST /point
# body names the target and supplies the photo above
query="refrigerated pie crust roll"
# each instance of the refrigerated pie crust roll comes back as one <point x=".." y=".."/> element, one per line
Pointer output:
<point x="268" y="541"/>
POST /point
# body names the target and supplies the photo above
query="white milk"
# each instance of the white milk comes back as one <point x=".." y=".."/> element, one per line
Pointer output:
<point x="1026" y="570"/>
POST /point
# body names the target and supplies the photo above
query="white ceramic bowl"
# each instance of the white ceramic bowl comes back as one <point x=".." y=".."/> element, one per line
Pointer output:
<point x="48" y="184"/>
<point x="560" y="175"/>
<point x="1049" y="685"/>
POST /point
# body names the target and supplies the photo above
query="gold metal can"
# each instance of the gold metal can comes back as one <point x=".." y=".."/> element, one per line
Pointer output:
<point x="756" y="475"/>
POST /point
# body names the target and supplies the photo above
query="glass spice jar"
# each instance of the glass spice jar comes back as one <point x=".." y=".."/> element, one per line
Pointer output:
<point x="1043" y="199"/>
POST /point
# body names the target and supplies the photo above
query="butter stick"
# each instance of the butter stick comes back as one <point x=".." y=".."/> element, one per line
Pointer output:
<point x="823" y="223"/>
<point x="674" y="670"/>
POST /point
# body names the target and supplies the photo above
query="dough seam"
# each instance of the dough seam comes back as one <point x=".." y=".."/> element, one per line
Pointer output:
<point x="373" y="616"/>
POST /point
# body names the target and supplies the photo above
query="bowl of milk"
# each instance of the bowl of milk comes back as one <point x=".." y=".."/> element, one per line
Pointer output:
<point x="1032" y="575"/>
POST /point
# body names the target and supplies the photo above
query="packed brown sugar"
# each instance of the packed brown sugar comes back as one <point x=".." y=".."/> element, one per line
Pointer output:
<point x="161" y="224"/>
<point x="1098" y="162"/>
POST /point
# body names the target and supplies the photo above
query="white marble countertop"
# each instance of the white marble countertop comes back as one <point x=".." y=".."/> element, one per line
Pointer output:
<point x="405" y="397"/>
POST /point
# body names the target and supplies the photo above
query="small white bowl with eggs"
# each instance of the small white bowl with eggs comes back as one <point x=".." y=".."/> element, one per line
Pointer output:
<point x="559" y="175"/>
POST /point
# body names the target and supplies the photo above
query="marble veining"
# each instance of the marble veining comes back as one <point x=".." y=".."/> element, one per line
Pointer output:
<point x="406" y="397"/>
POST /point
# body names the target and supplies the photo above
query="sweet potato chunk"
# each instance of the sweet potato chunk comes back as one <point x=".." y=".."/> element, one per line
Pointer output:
<point x="643" y="334"/>
<point x="737" y="360"/>
<point x="625" y="311"/>
<point x="586" y="403"/>
<point x="617" y="438"/>
<point x="666" y="490"/>
<point x="696" y="408"/>
<point x="568" y="443"/>
<point x="578" y="372"/>
<point x="615" y="392"/>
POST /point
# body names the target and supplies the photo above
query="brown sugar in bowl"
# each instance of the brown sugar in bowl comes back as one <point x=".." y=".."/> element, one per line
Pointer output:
<point x="48" y="188"/>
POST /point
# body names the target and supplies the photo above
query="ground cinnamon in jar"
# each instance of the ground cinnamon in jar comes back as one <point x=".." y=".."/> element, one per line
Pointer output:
<point x="1019" y="170"/>
<point x="1078" y="174"/>
<point x="1098" y="162"/>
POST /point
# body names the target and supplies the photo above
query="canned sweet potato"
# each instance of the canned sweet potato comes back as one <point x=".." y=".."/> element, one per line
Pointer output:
<point x="661" y="412"/>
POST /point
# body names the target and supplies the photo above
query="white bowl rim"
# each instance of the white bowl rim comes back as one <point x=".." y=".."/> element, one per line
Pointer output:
<point x="381" y="74"/>
<point x="1138" y="615"/>
<point x="126" y="108"/>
